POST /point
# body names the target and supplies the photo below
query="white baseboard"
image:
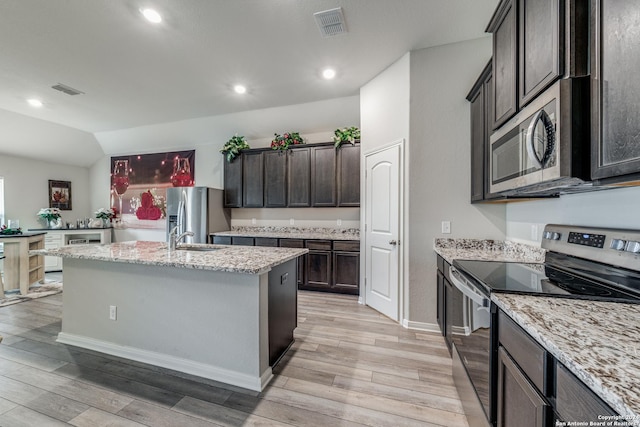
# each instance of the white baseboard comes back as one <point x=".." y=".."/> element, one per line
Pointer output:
<point x="170" y="362"/>
<point x="421" y="326"/>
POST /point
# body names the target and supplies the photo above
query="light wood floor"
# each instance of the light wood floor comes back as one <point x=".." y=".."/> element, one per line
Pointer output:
<point x="349" y="366"/>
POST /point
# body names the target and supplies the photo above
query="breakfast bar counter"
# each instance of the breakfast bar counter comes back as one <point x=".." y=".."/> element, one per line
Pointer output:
<point x="219" y="312"/>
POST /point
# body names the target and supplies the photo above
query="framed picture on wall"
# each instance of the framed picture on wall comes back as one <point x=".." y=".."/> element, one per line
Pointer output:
<point x="60" y="195"/>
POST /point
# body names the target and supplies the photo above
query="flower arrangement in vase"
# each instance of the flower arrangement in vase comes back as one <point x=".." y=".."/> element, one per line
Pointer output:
<point x="350" y="135"/>
<point x="282" y="142"/>
<point x="51" y="216"/>
<point x="106" y="215"/>
<point x="233" y="146"/>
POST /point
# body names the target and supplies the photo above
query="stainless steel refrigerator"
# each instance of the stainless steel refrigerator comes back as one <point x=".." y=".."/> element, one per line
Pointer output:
<point x="196" y="209"/>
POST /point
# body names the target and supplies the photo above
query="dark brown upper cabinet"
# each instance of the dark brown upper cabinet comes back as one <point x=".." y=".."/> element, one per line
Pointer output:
<point x="349" y="175"/>
<point x="253" y="180"/>
<point x="299" y="177"/>
<point x="323" y="176"/>
<point x="233" y="183"/>
<point x="503" y="25"/>
<point x="317" y="175"/>
<point x="275" y="179"/>
<point x="615" y="116"/>
<point x="529" y="51"/>
<point x="540" y="53"/>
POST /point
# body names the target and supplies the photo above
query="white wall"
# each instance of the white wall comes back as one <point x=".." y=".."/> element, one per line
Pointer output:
<point x="617" y="208"/>
<point x="439" y="180"/>
<point x="26" y="189"/>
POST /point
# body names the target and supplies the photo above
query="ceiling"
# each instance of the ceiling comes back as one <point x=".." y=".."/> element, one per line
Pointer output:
<point x="134" y="73"/>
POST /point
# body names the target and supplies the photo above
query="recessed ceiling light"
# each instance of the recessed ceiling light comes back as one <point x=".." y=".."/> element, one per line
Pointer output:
<point x="151" y="15"/>
<point x="328" y="73"/>
<point x="35" y="102"/>
<point x="240" y="89"/>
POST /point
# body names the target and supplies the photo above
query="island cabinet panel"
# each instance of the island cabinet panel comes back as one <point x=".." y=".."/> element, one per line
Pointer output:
<point x="349" y="175"/>
<point x="323" y="176"/>
<point x="299" y="177"/>
<point x="540" y="48"/>
<point x="275" y="179"/>
<point x="318" y="265"/>
<point x="302" y="260"/>
<point x="519" y="403"/>
<point x="615" y="61"/>
<point x="233" y="183"/>
<point x="253" y="180"/>
<point x="283" y="309"/>
<point x="505" y="90"/>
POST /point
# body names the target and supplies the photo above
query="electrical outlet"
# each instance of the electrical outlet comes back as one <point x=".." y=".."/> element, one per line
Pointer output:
<point x="291" y="221"/>
<point x="113" y="312"/>
<point x="534" y="232"/>
<point x="339" y="222"/>
<point x="446" y="227"/>
<point x="253" y="221"/>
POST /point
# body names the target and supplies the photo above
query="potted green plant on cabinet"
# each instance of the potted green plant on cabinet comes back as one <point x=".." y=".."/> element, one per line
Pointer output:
<point x="344" y="135"/>
<point x="233" y="146"/>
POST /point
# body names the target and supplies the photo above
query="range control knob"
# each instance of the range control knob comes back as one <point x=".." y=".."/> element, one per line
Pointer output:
<point x="618" y="244"/>
<point x="546" y="235"/>
<point x="633" y="247"/>
<point x="555" y="236"/>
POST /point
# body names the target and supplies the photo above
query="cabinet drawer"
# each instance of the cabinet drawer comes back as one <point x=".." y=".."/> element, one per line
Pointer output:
<point x="54" y="238"/>
<point x="244" y="241"/>
<point x="292" y="243"/>
<point x="576" y="402"/>
<point x="346" y="245"/>
<point x="266" y="241"/>
<point x="222" y="240"/>
<point x="529" y="355"/>
<point x="319" y="245"/>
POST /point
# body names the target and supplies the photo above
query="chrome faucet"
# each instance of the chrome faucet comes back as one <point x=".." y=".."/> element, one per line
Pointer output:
<point x="174" y="239"/>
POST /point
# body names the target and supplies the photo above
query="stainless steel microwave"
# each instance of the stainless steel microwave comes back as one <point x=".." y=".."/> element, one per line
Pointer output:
<point x="545" y="148"/>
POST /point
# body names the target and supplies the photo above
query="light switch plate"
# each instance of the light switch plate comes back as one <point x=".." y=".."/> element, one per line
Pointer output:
<point x="446" y="227"/>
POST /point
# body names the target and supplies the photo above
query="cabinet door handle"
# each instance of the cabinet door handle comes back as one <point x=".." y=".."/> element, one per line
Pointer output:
<point x="393" y="242"/>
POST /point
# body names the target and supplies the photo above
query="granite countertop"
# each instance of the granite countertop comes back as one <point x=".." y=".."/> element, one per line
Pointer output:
<point x="294" y="233"/>
<point x="87" y="229"/>
<point x="597" y="341"/>
<point x="487" y="250"/>
<point x="234" y="259"/>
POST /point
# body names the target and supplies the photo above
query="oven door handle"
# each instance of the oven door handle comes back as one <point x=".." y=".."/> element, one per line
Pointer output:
<point x="469" y="290"/>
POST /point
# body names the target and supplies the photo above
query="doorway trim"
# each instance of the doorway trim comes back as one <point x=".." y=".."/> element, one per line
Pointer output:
<point x="402" y="273"/>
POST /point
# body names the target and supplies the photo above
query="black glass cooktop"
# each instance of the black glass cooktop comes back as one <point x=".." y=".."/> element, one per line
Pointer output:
<point x="563" y="277"/>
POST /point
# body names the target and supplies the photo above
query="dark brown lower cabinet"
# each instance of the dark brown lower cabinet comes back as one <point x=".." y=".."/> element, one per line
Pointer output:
<point x="519" y="403"/>
<point x="346" y="267"/>
<point x="575" y="402"/>
<point x="319" y="265"/>
<point x="266" y="241"/>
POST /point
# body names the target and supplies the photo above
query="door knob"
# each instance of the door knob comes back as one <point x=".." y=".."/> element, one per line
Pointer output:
<point x="393" y="242"/>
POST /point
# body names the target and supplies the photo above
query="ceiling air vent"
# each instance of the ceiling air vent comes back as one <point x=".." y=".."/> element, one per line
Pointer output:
<point x="66" y="89"/>
<point x="331" y="22"/>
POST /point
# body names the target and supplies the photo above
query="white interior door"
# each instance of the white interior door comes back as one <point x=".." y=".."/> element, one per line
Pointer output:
<point x="382" y="230"/>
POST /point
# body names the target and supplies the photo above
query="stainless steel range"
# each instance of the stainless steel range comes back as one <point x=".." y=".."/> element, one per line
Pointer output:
<point x="581" y="263"/>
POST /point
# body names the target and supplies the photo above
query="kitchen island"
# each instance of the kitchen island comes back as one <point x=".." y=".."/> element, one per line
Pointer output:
<point x="219" y="312"/>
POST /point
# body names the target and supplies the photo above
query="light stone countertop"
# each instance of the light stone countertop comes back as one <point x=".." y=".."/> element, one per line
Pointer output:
<point x="304" y="233"/>
<point x="487" y="250"/>
<point x="233" y="259"/>
<point x="597" y="341"/>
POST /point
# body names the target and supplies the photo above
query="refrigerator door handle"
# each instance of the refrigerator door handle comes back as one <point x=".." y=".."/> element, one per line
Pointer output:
<point x="182" y="214"/>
